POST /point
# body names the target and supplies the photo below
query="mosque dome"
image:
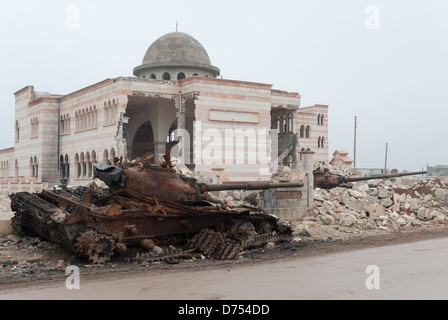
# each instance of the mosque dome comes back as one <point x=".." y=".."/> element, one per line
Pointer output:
<point x="176" y="55"/>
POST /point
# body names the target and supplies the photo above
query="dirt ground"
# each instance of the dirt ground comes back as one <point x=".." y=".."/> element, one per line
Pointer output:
<point x="26" y="261"/>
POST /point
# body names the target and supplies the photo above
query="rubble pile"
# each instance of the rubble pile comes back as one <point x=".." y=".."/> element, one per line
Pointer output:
<point x="285" y="173"/>
<point x="381" y="205"/>
<point x="340" y="170"/>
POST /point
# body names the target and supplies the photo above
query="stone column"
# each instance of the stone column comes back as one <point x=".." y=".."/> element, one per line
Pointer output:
<point x="179" y="104"/>
<point x="308" y="165"/>
<point x="121" y="137"/>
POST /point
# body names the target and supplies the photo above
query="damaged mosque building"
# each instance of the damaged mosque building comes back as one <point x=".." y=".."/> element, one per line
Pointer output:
<point x="176" y="99"/>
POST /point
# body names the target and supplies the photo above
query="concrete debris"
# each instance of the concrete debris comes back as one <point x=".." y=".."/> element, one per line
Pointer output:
<point x="306" y="233"/>
<point x="379" y="206"/>
<point x="339" y="170"/>
<point x="236" y="198"/>
<point x="285" y="173"/>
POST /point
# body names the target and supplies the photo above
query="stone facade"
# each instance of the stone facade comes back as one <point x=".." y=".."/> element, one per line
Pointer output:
<point x="224" y="124"/>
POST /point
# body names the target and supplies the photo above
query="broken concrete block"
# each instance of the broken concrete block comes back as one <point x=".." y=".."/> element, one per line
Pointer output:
<point x="328" y="219"/>
<point x="394" y="215"/>
<point x="383" y="193"/>
<point x="440" y="194"/>
<point x="348" y="220"/>
<point x="356" y="194"/>
<point x="386" y="202"/>
<point x="305" y="232"/>
<point x="421" y="213"/>
<point x="362" y="187"/>
<point x="376" y="210"/>
<point x="437" y="216"/>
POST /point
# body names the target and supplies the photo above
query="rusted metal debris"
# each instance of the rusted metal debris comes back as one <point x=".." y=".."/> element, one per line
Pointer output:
<point x="143" y="206"/>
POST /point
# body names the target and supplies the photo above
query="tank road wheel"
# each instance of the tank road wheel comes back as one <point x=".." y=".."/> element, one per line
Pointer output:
<point x="97" y="247"/>
<point x="247" y="226"/>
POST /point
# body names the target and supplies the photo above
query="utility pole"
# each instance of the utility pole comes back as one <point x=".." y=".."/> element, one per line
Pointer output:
<point x="354" y="151"/>
<point x="385" y="162"/>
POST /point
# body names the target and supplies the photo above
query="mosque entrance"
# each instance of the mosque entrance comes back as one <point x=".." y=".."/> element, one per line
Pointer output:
<point x="150" y="119"/>
<point x="143" y="141"/>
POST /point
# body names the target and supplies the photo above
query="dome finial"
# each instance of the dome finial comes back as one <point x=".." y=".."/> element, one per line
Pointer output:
<point x="177" y="26"/>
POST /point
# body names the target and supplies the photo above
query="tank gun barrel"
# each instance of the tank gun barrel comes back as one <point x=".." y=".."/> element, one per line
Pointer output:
<point x="383" y="176"/>
<point x="249" y="186"/>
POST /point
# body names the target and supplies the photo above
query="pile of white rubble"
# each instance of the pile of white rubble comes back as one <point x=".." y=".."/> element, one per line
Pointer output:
<point x="379" y="204"/>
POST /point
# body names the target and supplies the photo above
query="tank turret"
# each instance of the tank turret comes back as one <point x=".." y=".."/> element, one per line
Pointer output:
<point x="166" y="184"/>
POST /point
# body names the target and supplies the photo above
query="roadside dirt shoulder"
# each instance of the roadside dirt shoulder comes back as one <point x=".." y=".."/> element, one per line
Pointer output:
<point x="49" y="265"/>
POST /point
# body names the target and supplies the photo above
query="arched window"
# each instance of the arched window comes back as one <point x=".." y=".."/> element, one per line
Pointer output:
<point x="84" y="119"/>
<point x="78" y="166"/>
<point x="195" y="75"/>
<point x="31" y="168"/>
<point x="89" y="164"/>
<point x="106" y="113"/>
<point x="322" y="142"/>
<point x="302" y="131"/>
<point x="308" y="132"/>
<point x="95" y="116"/>
<point x="77" y="120"/>
<point x="36" y="167"/>
<point x="166" y="76"/>
<point x="34" y="127"/>
<point x="180" y="76"/>
<point x="93" y="156"/>
<point x="67" y="166"/>
<point x="284" y="124"/>
<point x="90" y="118"/>
<point x="83" y="164"/>
<point x="109" y="112"/>
<point x="112" y="155"/>
<point x="322" y="119"/>
<point x="106" y="156"/>
<point x="279" y="123"/>
<point x="67" y="123"/>
<point x="114" y="110"/>
<point x="16" y="171"/>
<point x="17" y="131"/>
<point x="62" y="125"/>
<point x="290" y="123"/>
<point x="152" y="76"/>
<point x="61" y="167"/>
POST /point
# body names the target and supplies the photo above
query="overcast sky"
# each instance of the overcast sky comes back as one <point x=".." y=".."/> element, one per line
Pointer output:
<point x="383" y="61"/>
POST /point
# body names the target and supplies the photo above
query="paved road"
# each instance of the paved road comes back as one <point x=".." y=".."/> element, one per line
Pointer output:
<point x="407" y="271"/>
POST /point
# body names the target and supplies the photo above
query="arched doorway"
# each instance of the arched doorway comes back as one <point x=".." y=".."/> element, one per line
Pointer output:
<point x="143" y="141"/>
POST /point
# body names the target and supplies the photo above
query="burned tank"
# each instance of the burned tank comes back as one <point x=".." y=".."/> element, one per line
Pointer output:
<point x="146" y="205"/>
<point x="325" y="180"/>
